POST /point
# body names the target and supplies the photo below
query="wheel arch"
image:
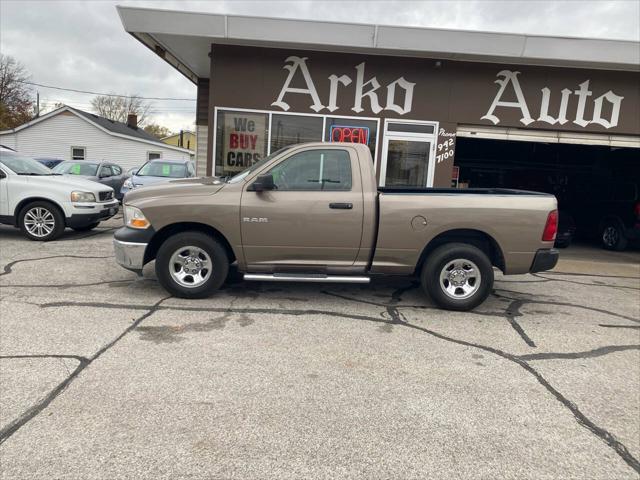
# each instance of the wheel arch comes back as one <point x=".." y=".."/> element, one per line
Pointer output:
<point x="25" y="201"/>
<point x="169" y="230"/>
<point x="470" y="236"/>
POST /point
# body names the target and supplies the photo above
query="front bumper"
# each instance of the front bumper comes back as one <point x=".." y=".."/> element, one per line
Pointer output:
<point x="545" y="259"/>
<point x="130" y="255"/>
<point x="91" y="216"/>
<point x="130" y="246"/>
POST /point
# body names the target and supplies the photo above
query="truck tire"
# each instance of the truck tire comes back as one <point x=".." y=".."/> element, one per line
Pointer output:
<point x="41" y="221"/>
<point x="191" y="265"/>
<point x="612" y="236"/>
<point x="457" y="276"/>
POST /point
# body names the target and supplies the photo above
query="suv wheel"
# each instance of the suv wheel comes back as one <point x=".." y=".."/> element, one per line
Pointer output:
<point x="457" y="276"/>
<point x="41" y="221"/>
<point x="613" y="237"/>
<point x="191" y="265"/>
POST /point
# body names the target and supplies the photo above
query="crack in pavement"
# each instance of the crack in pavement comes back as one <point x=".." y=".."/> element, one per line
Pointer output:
<point x="36" y="409"/>
<point x="582" y="420"/>
<point x="596" y="352"/>
<point x="8" y="268"/>
<point x="625" y="287"/>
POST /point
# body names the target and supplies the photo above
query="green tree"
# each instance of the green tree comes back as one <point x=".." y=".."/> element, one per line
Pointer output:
<point x="16" y="105"/>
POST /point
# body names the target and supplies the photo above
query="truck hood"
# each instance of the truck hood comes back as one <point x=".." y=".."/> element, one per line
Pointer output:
<point x="184" y="187"/>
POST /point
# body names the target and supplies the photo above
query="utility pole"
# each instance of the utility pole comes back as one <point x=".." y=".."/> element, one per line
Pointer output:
<point x="37" y="104"/>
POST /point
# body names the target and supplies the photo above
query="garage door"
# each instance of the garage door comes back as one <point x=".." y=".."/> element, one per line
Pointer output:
<point x="523" y="135"/>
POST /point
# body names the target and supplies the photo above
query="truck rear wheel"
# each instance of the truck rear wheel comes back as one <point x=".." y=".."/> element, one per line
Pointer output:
<point x="457" y="276"/>
<point x="191" y="265"/>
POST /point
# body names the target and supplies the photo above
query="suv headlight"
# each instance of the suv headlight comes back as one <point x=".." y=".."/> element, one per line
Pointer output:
<point x="83" y="197"/>
<point x="128" y="183"/>
<point x="134" y="218"/>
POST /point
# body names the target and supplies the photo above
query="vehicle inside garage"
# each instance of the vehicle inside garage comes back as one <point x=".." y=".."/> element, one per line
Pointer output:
<point x="596" y="185"/>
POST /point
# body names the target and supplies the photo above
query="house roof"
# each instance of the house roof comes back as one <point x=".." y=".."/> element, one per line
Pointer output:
<point x="184" y="39"/>
<point x="111" y="127"/>
<point x="116" y="127"/>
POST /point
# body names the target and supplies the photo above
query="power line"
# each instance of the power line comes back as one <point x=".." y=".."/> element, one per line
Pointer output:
<point x="105" y="94"/>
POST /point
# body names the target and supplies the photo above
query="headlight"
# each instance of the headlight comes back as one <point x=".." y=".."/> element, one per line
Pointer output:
<point x="83" y="197"/>
<point x="127" y="183"/>
<point x="134" y="218"/>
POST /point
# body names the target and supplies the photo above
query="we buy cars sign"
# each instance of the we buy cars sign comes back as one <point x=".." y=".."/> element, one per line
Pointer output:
<point x="244" y="142"/>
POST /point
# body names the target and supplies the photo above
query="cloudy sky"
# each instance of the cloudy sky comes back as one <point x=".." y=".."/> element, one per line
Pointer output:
<point x="82" y="45"/>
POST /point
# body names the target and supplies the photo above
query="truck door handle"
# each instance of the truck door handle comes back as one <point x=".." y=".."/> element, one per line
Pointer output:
<point x="341" y="206"/>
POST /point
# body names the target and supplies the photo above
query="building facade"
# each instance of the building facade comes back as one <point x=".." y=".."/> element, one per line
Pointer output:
<point x="435" y="107"/>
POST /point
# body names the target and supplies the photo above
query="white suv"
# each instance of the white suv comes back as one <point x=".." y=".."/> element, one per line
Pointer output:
<point x="42" y="203"/>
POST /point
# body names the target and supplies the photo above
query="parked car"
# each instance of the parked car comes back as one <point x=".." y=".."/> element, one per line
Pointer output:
<point x="104" y="172"/>
<point x="158" y="171"/>
<point x="313" y="213"/>
<point x="49" y="162"/>
<point x="42" y="203"/>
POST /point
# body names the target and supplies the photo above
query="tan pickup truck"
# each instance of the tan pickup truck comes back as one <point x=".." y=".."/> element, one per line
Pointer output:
<point x="313" y="213"/>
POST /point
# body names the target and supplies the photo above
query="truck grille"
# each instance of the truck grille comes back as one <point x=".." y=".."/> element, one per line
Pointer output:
<point x="104" y="196"/>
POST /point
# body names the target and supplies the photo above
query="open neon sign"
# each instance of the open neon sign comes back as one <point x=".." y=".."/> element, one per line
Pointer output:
<point x="347" y="134"/>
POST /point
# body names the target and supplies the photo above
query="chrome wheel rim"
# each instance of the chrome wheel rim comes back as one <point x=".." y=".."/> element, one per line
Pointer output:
<point x="190" y="266"/>
<point x="460" y="279"/>
<point x="610" y="236"/>
<point x="39" y="222"/>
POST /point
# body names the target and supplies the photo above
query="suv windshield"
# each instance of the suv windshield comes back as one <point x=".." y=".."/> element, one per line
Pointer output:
<point x="163" y="169"/>
<point x="243" y="174"/>
<point x="77" y="168"/>
<point x="23" y="165"/>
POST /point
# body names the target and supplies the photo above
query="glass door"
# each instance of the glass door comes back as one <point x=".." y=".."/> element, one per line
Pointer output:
<point x="407" y="156"/>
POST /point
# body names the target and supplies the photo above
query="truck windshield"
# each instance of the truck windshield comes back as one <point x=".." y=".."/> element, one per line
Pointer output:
<point x="77" y="168"/>
<point x="23" y="165"/>
<point x="243" y="174"/>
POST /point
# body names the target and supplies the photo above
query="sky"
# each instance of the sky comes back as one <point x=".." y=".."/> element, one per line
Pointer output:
<point x="82" y="44"/>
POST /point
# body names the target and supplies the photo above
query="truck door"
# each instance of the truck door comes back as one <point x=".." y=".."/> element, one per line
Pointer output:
<point x="314" y="215"/>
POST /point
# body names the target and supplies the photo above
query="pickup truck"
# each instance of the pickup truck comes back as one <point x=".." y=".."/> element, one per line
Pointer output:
<point x="313" y="213"/>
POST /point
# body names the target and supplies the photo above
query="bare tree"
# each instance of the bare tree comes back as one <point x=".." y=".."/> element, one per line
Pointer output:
<point x="118" y="108"/>
<point x="157" y="131"/>
<point x="16" y="105"/>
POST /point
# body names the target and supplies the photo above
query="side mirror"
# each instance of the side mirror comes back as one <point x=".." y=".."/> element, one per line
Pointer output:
<point x="262" y="183"/>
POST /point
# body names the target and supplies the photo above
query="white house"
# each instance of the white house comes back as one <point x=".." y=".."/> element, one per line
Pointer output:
<point x="71" y="134"/>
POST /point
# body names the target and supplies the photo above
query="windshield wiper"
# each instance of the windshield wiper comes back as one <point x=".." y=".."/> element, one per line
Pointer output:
<point x="32" y="174"/>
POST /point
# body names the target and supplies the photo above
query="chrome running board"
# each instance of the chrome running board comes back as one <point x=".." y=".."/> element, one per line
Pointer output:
<point x="304" y="277"/>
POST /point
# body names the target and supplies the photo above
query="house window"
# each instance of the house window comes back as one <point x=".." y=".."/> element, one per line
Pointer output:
<point x="153" y="155"/>
<point x="78" y="153"/>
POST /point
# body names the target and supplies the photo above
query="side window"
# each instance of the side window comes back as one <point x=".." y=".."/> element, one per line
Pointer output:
<point x="191" y="170"/>
<point x="2" y="174"/>
<point x="116" y="170"/>
<point x="314" y="170"/>
<point x="106" y="171"/>
<point x="78" y="153"/>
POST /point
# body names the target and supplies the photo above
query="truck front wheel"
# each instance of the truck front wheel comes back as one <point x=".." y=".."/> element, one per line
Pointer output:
<point x="457" y="276"/>
<point x="191" y="265"/>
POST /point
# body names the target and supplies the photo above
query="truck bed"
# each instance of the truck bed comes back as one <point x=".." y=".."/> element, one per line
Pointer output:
<point x="457" y="191"/>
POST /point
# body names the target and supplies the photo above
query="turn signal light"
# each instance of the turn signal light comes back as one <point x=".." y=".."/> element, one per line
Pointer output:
<point x="551" y="227"/>
<point x="139" y="223"/>
<point x="636" y="210"/>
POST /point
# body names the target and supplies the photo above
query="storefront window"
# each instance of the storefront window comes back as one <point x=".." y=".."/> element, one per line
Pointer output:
<point x="352" y="130"/>
<point x="241" y="140"/>
<point x="291" y="129"/>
